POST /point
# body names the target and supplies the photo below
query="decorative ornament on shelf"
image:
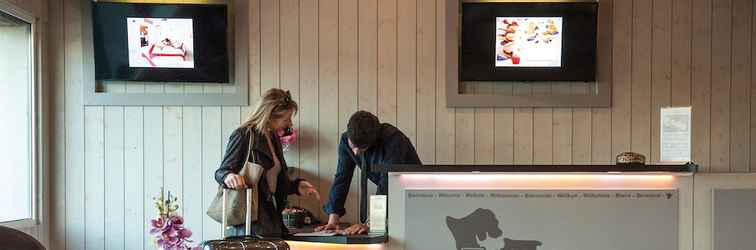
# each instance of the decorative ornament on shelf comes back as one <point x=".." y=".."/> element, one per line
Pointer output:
<point x="168" y="228"/>
<point x="631" y="159"/>
<point x="287" y="136"/>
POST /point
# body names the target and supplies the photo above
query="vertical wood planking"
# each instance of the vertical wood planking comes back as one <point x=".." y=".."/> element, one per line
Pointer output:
<point x="562" y="141"/>
<point x="407" y="68"/>
<point x="328" y="80"/>
<point x="75" y="136"/>
<point x="172" y="150"/>
<point x="621" y="64"/>
<point x="504" y="146"/>
<point x="740" y="93"/>
<point x="153" y="164"/>
<point x="133" y="178"/>
<point x="445" y="116"/>
<point x="57" y="105"/>
<point x="270" y="45"/>
<point x="367" y="56"/>
<point x="426" y="81"/>
<point x="640" y="130"/>
<point x="681" y="36"/>
<point x="212" y="150"/>
<point x="94" y="176"/>
<point x="721" y="54"/>
<point x="191" y="152"/>
<point x="387" y="61"/>
<point x="523" y="127"/>
<point x="753" y="93"/>
<point x="115" y="192"/>
<point x="543" y="119"/>
<point x="582" y="128"/>
<point x="464" y="135"/>
<point x="504" y="129"/>
<point x="484" y="133"/>
<point x="348" y="86"/>
<point x="601" y="118"/>
<point x="309" y="108"/>
<point x="255" y="55"/>
<point x="290" y="64"/>
<point x="661" y="69"/>
<point x="701" y="83"/>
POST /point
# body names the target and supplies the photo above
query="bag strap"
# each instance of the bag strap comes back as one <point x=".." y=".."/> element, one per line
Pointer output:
<point x="249" y="147"/>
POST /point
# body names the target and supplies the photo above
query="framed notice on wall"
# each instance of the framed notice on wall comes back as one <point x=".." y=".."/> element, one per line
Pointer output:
<point x="675" y="131"/>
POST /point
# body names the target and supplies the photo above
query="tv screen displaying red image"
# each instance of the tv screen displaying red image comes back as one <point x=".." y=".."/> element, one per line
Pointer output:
<point x="160" y="42"/>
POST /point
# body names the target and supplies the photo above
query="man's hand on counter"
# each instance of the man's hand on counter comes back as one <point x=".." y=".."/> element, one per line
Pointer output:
<point x="333" y="224"/>
<point x="356" y="229"/>
<point x="328" y="227"/>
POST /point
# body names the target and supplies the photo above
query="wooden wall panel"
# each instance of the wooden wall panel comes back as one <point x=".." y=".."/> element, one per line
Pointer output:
<point x="660" y="69"/>
<point x="309" y="99"/>
<point x="426" y="80"/>
<point x="721" y="69"/>
<point x="406" y="82"/>
<point x="94" y="177"/>
<point x="504" y="147"/>
<point x="621" y="68"/>
<point x="387" y="61"/>
<point x="701" y="83"/>
<point x="640" y="90"/>
<point x="445" y="117"/>
<point x="114" y="177"/>
<point x="740" y="91"/>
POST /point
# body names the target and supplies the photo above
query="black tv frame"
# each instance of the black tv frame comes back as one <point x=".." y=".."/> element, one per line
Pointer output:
<point x="579" y="41"/>
<point x="211" y="63"/>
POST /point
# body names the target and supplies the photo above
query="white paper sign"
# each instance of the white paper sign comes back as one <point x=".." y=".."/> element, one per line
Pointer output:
<point x="378" y="211"/>
<point x="675" y="132"/>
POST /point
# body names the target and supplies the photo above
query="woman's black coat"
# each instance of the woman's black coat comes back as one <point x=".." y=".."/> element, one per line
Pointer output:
<point x="269" y="221"/>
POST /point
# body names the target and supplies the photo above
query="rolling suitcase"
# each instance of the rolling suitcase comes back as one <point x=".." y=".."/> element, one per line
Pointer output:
<point x="247" y="242"/>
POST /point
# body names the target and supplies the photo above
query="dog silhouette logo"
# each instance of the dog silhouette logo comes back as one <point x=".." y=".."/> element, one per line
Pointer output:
<point x="480" y="230"/>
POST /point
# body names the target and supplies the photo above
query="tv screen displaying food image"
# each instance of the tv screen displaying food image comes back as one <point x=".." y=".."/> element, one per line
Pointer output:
<point x="160" y="42"/>
<point x="528" y="42"/>
<point x="533" y="41"/>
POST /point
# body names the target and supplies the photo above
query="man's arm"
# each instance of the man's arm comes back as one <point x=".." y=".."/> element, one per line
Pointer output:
<point x="341" y="182"/>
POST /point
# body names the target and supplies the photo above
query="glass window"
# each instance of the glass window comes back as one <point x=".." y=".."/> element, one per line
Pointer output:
<point x="17" y="100"/>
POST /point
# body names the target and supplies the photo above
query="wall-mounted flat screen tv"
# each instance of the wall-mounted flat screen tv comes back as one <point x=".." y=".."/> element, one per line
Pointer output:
<point x="537" y="41"/>
<point x="160" y="42"/>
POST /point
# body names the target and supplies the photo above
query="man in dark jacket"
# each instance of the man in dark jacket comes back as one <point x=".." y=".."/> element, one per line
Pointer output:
<point x="366" y="143"/>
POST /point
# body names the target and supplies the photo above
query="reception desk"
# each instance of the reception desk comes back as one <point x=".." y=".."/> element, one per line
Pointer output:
<point x="540" y="207"/>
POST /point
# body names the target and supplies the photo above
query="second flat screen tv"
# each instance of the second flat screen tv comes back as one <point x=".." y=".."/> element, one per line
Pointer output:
<point x="528" y="41"/>
<point x="160" y="42"/>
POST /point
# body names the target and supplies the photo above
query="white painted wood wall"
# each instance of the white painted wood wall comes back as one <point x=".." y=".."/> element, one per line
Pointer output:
<point x="386" y="56"/>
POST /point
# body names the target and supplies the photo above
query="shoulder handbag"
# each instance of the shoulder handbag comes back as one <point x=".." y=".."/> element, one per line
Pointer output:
<point x="235" y="200"/>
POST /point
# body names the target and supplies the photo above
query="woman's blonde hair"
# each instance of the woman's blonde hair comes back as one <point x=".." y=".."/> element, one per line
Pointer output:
<point x="273" y="104"/>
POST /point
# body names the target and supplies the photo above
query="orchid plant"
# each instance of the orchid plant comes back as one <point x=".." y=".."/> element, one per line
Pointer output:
<point x="168" y="228"/>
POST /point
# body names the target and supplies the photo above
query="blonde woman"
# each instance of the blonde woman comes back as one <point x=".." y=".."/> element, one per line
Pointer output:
<point x="272" y="113"/>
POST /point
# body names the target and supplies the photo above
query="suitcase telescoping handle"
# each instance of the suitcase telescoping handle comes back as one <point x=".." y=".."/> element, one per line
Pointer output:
<point x="247" y="215"/>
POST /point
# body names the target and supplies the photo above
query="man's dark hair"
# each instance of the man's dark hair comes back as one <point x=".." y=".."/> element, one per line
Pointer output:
<point x="363" y="129"/>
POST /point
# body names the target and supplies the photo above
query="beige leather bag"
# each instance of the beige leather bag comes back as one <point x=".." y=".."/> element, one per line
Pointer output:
<point x="235" y="199"/>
